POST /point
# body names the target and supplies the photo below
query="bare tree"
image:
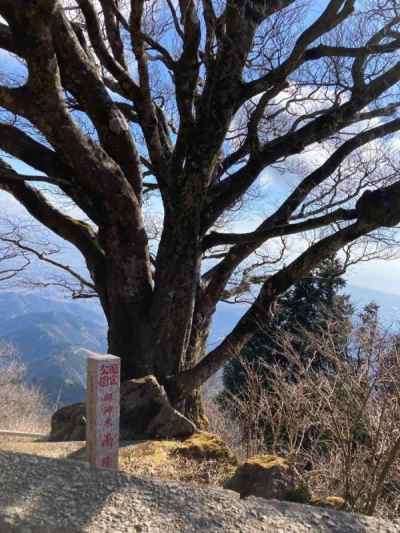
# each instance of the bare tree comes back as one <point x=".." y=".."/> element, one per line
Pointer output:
<point x="191" y="102"/>
<point x="13" y="261"/>
<point x="22" y="244"/>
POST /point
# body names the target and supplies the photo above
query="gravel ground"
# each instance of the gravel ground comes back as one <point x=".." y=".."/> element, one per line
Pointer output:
<point x="56" y="450"/>
<point x="44" y="495"/>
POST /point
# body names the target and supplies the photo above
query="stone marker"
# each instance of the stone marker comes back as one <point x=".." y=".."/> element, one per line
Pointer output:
<point x="102" y="410"/>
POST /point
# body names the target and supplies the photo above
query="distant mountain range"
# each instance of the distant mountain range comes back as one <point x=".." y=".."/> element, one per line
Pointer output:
<point x="49" y="335"/>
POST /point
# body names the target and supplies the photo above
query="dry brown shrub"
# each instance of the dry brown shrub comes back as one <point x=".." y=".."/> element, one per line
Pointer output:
<point x="340" y="427"/>
<point x="22" y="407"/>
<point x="226" y="427"/>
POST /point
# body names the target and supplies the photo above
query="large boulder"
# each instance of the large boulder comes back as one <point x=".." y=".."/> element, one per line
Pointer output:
<point x="69" y="423"/>
<point x="206" y="446"/>
<point x="269" y="477"/>
<point x="145" y="413"/>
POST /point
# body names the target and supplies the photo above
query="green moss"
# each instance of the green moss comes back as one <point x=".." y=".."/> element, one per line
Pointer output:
<point x="155" y="452"/>
<point x="204" y="445"/>
<point x="268" y="461"/>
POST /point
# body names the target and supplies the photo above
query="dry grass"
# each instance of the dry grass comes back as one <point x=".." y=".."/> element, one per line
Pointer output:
<point x="167" y="460"/>
<point x="58" y="450"/>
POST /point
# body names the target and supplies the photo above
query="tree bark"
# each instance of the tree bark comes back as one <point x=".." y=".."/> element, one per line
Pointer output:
<point x="135" y="331"/>
<point x="192" y="404"/>
<point x="125" y="289"/>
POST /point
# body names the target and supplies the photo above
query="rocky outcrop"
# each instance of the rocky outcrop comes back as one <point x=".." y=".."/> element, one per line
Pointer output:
<point x="43" y="495"/>
<point x="206" y="446"/>
<point x="69" y="423"/>
<point x="145" y="413"/>
<point x="269" y="477"/>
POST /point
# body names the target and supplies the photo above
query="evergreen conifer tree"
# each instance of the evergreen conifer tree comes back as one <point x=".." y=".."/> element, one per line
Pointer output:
<point x="308" y="306"/>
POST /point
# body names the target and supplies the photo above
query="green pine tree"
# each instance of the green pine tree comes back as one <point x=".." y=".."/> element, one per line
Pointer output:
<point x="308" y="305"/>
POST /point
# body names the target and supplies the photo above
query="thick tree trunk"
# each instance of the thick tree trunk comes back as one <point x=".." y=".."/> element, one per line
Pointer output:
<point x="192" y="404"/>
<point x="125" y="289"/>
<point x="130" y="337"/>
<point x="193" y="408"/>
<point x="159" y="326"/>
<point x="159" y="331"/>
<point x="174" y="297"/>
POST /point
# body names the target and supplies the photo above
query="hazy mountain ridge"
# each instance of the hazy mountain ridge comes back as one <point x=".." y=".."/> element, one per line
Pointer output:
<point x="49" y="335"/>
<point x="14" y="304"/>
<point x="389" y="304"/>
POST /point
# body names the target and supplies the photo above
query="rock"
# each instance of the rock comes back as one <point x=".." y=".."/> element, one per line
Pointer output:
<point x="69" y="423"/>
<point x="145" y="413"/>
<point x="38" y="493"/>
<point x="170" y="423"/>
<point x="267" y="476"/>
<point x="206" y="446"/>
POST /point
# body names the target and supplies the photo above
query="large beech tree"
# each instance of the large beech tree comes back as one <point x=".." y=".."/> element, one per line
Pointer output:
<point x="190" y="102"/>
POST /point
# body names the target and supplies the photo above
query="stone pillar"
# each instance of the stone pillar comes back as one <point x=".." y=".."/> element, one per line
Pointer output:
<point x="102" y="410"/>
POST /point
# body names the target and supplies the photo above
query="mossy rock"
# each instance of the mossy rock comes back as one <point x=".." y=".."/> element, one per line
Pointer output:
<point x="266" y="476"/>
<point x="206" y="446"/>
<point x="298" y="494"/>
<point x="335" y="502"/>
<point x="268" y="461"/>
<point x="202" y="460"/>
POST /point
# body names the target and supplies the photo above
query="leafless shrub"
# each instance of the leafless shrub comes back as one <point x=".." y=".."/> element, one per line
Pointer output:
<point x="226" y="427"/>
<point x="22" y="407"/>
<point x="338" y="426"/>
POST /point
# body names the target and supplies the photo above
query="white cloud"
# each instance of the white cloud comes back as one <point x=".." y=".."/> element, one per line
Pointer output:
<point x="9" y="207"/>
<point x="266" y="178"/>
<point x="377" y="275"/>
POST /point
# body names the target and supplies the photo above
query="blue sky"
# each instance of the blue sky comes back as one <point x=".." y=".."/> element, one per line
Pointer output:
<point x="376" y="275"/>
